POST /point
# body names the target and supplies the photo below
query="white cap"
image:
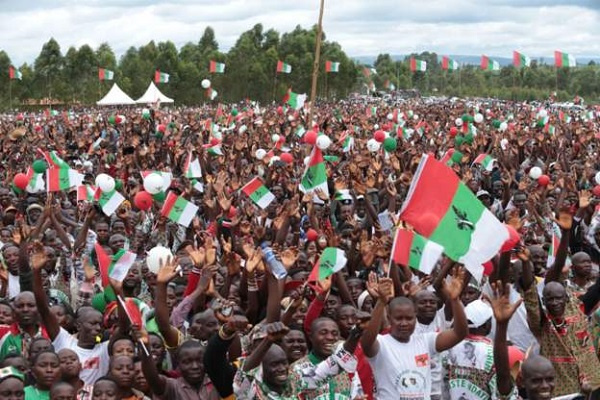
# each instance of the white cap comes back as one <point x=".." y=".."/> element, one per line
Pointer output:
<point x="478" y="313"/>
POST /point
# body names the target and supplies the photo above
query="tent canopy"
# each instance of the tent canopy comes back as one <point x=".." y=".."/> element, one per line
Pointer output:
<point x="153" y="95"/>
<point x="115" y="96"/>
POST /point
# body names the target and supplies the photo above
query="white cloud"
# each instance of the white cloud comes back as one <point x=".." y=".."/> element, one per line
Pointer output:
<point x="494" y="27"/>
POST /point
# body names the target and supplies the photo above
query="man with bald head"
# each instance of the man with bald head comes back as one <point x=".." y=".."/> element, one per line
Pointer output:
<point x="581" y="280"/>
<point x="17" y="337"/>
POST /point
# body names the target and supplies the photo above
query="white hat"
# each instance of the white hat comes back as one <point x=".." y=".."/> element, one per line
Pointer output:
<point x="478" y="313"/>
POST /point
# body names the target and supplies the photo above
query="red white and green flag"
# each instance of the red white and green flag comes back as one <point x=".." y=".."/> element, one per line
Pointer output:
<point x="105" y="74"/>
<point x="14" y="73"/>
<point x="389" y="85"/>
<point x="179" y="210"/>
<point x="161" y="77"/>
<point x="283" y="67"/>
<point x="315" y="174"/>
<point x="211" y="93"/>
<point x="113" y="267"/>
<point x="564" y="117"/>
<point x="521" y="60"/>
<point x="371" y="111"/>
<point x="564" y="59"/>
<point x="444" y="210"/>
<point x="549" y="129"/>
<point x="216" y="67"/>
<point x="451" y="157"/>
<point x="331" y="261"/>
<point x="487" y="64"/>
<point x="418" y="65"/>
<point x="109" y="202"/>
<point x="86" y="193"/>
<point x="58" y="179"/>
<point x="449" y="64"/>
<point x="332" y="66"/>
<point x="486" y="161"/>
<point x="53" y="160"/>
<point x="192" y="167"/>
<point x="36" y="181"/>
<point x="347" y="142"/>
<point x="294" y="100"/>
<point x="300" y="131"/>
<point x="214" y="149"/>
<point x="258" y="192"/>
<point x="414" y="250"/>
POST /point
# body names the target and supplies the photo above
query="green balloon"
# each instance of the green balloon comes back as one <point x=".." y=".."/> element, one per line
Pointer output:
<point x="459" y="141"/>
<point x="160" y="196"/>
<point x="465" y="117"/>
<point x="390" y="144"/>
<point x="456" y="157"/>
<point x="496" y="123"/>
<point x="146" y="115"/>
<point x="111" y="120"/>
<point x="234" y="112"/>
<point x="469" y="138"/>
<point x="118" y="184"/>
<point x="39" y="166"/>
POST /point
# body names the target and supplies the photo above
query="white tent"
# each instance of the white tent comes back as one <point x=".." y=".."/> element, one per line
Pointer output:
<point x="153" y="95"/>
<point x="115" y="96"/>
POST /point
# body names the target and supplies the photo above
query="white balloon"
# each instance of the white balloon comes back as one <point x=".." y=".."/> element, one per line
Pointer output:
<point x="597" y="177"/>
<point x="105" y="182"/>
<point x="155" y="256"/>
<point x="373" y="145"/>
<point x="416" y="117"/>
<point x="503" y="126"/>
<point x="153" y="183"/>
<point x="290" y="118"/>
<point x="243" y="129"/>
<point x="205" y="83"/>
<point x="145" y="112"/>
<point x="458" y="121"/>
<point x="478" y="118"/>
<point x="535" y="172"/>
<point x="323" y="142"/>
<point x="390" y="116"/>
<point x="543" y="113"/>
<point x="376" y="126"/>
<point x="260" y="154"/>
<point x="275" y="138"/>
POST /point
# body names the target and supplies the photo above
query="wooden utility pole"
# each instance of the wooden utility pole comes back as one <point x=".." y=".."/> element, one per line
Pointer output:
<point x="315" y="75"/>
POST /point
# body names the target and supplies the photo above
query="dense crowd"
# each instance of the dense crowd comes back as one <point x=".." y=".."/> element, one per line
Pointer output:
<point x="237" y="311"/>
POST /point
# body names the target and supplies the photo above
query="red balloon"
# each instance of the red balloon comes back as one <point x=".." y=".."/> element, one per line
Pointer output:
<point x="38" y="128"/>
<point x="312" y="235"/>
<point x="596" y="191"/>
<point x="162" y="128"/>
<point x="214" y="141"/>
<point x="21" y="180"/>
<point x="310" y="137"/>
<point x="286" y="158"/>
<point x="279" y="110"/>
<point x="20" y="117"/>
<point x="118" y="119"/>
<point x="379" y="136"/>
<point x="513" y="239"/>
<point x="453" y="131"/>
<point x="143" y="200"/>
<point x="543" y="180"/>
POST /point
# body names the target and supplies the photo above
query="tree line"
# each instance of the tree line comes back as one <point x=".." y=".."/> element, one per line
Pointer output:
<point x="72" y="77"/>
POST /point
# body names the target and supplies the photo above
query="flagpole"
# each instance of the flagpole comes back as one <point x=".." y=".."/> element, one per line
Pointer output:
<point x="315" y="75"/>
<point x="10" y="94"/>
<point x="326" y="87"/>
<point x="275" y="85"/>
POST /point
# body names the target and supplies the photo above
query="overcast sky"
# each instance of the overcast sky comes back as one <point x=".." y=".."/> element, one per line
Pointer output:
<point x="362" y="27"/>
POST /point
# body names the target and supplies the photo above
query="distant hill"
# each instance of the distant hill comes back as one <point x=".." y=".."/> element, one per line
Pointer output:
<point x="475" y="60"/>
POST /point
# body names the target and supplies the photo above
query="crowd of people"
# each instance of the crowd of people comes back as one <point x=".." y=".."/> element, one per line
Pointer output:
<point x="218" y="320"/>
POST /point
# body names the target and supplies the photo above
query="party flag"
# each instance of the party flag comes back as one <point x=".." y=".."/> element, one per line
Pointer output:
<point x="331" y="261"/>
<point x="414" y="250"/>
<point x="109" y="201"/>
<point x="417" y="65"/>
<point x="294" y="100"/>
<point x="521" y="60"/>
<point x="179" y="210"/>
<point x="283" y="67"/>
<point x="332" y="66"/>
<point x="36" y="181"/>
<point x="300" y="131"/>
<point x="486" y="161"/>
<point x="105" y="74"/>
<point x="14" y="73"/>
<point x="216" y="67"/>
<point x="211" y="93"/>
<point x="86" y="193"/>
<point x="161" y="77"/>
<point x="315" y="174"/>
<point x="444" y="210"/>
<point x="347" y="142"/>
<point x="451" y="157"/>
<point x="258" y="192"/>
<point x="115" y="266"/>
<point x="487" y="64"/>
<point x="449" y="64"/>
<point x="192" y="167"/>
<point x="62" y="179"/>
<point x="564" y="60"/>
<point x="53" y="160"/>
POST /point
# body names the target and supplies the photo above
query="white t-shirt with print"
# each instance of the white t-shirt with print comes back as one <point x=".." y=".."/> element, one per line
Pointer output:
<point x="402" y="371"/>
<point x="94" y="362"/>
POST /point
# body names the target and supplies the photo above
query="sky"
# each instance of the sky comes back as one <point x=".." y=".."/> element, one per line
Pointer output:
<point x="362" y="27"/>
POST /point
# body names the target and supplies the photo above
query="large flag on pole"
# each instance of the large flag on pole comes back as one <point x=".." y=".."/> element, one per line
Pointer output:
<point x="521" y="60"/>
<point x="105" y="74"/>
<point x="564" y="60"/>
<point x="487" y="64"/>
<point x="216" y="67"/>
<point x="283" y="67"/>
<point x="448" y="64"/>
<point x="161" y="77"/>
<point x="332" y="66"/>
<point x="14" y="73"/>
<point x="443" y="209"/>
<point x="417" y="65"/>
<point x="414" y="250"/>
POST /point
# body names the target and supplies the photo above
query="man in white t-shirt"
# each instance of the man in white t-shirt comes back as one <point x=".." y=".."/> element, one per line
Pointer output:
<point x="401" y="360"/>
<point x="93" y="355"/>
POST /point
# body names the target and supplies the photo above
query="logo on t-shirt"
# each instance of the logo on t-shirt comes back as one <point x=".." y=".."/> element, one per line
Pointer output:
<point x="410" y="382"/>
<point x="91" y="363"/>
<point x="422" y="360"/>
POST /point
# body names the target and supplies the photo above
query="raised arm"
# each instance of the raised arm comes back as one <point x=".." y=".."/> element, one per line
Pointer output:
<point x="565" y="221"/>
<point x="450" y="338"/>
<point x="385" y="291"/>
<point x="38" y="259"/>
<point x="157" y="382"/>
<point x="165" y="274"/>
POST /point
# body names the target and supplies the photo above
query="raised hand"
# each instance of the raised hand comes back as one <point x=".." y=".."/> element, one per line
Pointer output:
<point x="276" y="331"/>
<point x="253" y="261"/>
<point x="500" y="302"/>
<point x="289" y="257"/>
<point x="386" y="289"/>
<point x="168" y="270"/>
<point x="373" y="286"/>
<point x="454" y="288"/>
<point x="37" y="257"/>
<point x="237" y="323"/>
<point x="224" y="202"/>
<point x="564" y="220"/>
<point x="198" y="255"/>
